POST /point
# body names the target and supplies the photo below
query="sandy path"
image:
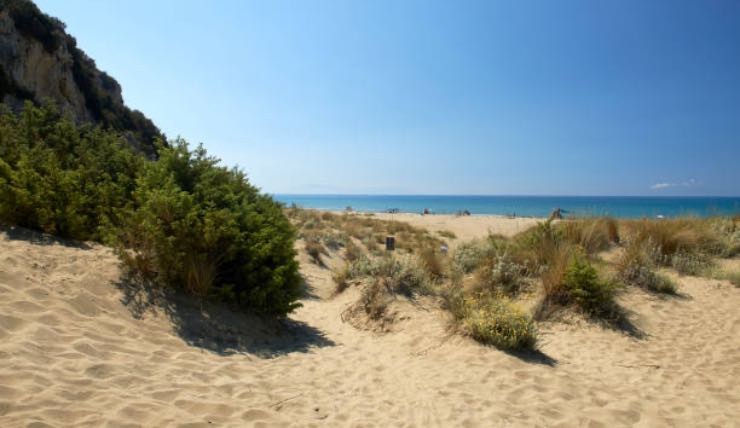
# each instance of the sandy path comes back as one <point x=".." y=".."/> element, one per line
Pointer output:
<point x="71" y="354"/>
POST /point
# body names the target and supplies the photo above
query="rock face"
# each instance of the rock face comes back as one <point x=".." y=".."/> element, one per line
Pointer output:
<point x="39" y="62"/>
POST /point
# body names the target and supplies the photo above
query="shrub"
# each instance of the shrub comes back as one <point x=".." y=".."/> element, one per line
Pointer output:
<point x="500" y="273"/>
<point x="203" y="228"/>
<point x="498" y="322"/>
<point x="72" y="181"/>
<point x="375" y="299"/>
<point x="687" y="263"/>
<point x="468" y="256"/>
<point x="586" y="289"/>
<point x="401" y="275"/>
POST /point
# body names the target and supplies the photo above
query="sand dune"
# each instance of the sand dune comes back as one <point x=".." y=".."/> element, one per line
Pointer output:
<point x="73" y="354"/>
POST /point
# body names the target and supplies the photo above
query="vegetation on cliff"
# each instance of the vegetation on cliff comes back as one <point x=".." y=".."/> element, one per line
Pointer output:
<point x="101" y="92"/>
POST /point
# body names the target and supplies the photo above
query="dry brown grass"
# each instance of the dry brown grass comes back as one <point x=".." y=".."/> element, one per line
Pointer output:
<point x="340" y="228"/>
<point x="341" y="279"/>
<point x="432" y="262"/>
<point x="553" y="276"/>
<point x="200" y="274"/>
<point x="591" y="234"/>
<point x="315" y="249"/>
<point x="636" y="267"/>
<point x="669" y="236"/>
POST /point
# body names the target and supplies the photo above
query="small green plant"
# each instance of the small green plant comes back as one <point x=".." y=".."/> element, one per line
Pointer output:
<point x="583" y="285"/>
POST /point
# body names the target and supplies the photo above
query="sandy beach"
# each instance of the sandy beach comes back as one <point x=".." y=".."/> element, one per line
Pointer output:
<point x="78" y="349"/>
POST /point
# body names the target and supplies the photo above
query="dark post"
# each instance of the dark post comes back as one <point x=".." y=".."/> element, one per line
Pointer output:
<point x="390" y="243"/>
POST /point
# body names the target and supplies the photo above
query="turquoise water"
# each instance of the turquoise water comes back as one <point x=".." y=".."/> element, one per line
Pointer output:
<point x="529" y="206"/>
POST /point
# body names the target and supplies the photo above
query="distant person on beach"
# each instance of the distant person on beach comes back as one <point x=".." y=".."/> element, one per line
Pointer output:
<point x="556" y="214"/>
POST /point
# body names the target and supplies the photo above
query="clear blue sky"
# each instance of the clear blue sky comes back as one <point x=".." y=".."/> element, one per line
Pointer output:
<point x="457" y="97"/>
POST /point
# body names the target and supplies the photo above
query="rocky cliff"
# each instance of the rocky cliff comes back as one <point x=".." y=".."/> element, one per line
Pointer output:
<point x="39" y="61"/>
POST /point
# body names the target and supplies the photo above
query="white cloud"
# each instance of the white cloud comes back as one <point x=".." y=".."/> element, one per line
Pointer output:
<point x="691" y="182"/>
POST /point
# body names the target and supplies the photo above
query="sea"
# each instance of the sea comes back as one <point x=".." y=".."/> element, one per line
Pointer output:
<point x="524" y="206"/>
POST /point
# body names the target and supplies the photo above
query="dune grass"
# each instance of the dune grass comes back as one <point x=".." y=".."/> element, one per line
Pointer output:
<point x="482" y="282"/>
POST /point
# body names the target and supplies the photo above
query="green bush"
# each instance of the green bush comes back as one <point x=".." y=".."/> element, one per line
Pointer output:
<point x="203" y="228"/>
<point x="182" y="221"/>
<point x="586" y="289"/>
<point x="73" y="181"/>
<point x="468" y="255"/>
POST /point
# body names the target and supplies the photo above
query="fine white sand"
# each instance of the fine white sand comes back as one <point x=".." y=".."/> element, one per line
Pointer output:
<point x="72" y="354"/>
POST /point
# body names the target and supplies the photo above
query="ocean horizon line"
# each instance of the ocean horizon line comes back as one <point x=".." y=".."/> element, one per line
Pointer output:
<point x="523" y="206"/>
<point x="500" y="195"/>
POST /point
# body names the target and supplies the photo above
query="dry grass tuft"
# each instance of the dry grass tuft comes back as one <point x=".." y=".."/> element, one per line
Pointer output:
<point x="315" y="249"/>
<point x="670" y="236"/>
<point x="447" y="234"/>
<point x="432" y="262"/>
<point x="590" y="234"/>
<point x="635" y="266"/>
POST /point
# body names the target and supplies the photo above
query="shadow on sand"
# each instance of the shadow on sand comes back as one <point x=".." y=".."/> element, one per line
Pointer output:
<point x="534" y="356"/>
<point x="39" y="238"/>
<point x="308" y="290"/>
<point x="218" y="328"/>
